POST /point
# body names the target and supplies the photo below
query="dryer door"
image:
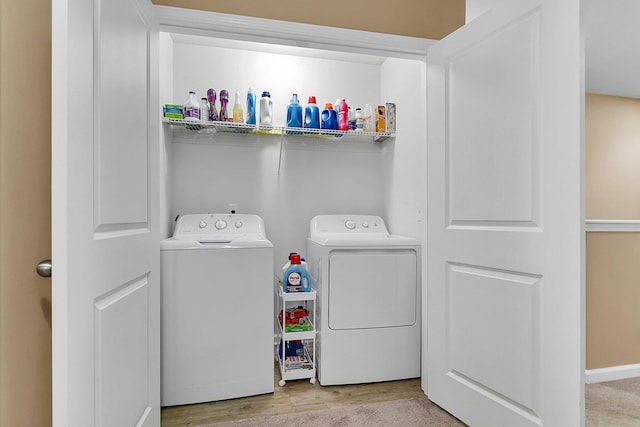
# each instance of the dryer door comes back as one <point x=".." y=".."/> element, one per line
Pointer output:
<point x="372" y="288"/>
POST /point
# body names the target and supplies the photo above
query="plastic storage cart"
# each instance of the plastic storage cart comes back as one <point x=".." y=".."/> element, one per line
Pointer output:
<point x="296" y="318"/>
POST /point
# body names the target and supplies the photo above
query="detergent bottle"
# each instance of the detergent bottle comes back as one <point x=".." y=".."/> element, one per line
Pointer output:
<point x="266" y="109"/>
<point x="191" y="108"/>
<point x="296" y="278"/>
<point x="288" y="264"/>
<point x="294" y="113"/>
<point x="312" y="114"/>
<point x="329" y="117"/>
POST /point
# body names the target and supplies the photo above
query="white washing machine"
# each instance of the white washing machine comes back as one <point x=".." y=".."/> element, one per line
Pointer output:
<point x="368" y="300"/>
<point x="216" y="309"/>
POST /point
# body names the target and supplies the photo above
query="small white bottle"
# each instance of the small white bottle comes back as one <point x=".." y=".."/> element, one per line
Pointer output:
<point x="359" y="120"/>
<point x="368" y="124"/>
<point x="192" y="108"/>
<point x="204" y="110"/>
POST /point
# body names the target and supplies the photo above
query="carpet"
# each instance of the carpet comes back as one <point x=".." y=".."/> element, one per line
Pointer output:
<point x="613" y="404"/>
<point x="418" y="411"/>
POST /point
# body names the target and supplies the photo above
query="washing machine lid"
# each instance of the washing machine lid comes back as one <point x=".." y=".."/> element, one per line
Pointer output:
<point x="354" y="230"/>
<point x="210" y="231"/>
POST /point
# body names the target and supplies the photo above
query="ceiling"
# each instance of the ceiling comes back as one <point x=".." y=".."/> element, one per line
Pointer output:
<point x="612" y="47"/>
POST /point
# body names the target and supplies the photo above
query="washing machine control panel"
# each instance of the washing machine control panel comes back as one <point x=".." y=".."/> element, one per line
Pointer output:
<point x="363" y="225"/>
<point x="219" y="226"/>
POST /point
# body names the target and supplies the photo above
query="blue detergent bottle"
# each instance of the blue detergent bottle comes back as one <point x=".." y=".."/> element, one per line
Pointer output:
<point x="312" y="114"/>
<point x="329" y="117"/>
<point x="296" y="278"/>
<point x="294" y="113"/>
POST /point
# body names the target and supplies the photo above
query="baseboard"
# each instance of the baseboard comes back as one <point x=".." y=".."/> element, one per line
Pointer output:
<point x="612" y="373"/>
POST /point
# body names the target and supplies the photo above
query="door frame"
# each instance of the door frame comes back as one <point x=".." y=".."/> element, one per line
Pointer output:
<point x="243" y="28"/>
<point x="234" y="27"/>
<point x="251" y="29"/>
<point x="287" y="33"/>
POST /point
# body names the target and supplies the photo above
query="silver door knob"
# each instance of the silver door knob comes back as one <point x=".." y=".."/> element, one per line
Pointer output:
<point x="44" y="268"/>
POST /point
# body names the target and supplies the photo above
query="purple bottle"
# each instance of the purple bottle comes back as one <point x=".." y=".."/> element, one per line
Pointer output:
<point x="213" y="113"/>
<point x="224" y="99"/>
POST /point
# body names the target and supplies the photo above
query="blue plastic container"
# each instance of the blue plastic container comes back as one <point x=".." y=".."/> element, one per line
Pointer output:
<point x="293" y="348"/>
<point x="251" y="106"/>
<point x="294" y="113"/>
<point x="329" y="117"/>
<point x="296" y="278"/>
<point x="312" y="114"/>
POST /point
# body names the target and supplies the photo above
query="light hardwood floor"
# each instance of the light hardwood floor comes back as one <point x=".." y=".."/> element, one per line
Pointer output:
<point x="607" y="404"/>
<point x="295" y="396"/>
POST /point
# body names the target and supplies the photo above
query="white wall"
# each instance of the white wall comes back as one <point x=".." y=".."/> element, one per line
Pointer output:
<point x="200" y="67"/>
<point x="404" y="82"/>
<point x="165" y="91"/>
<point x="289" y="181"/>
<point x="475" y="8"/>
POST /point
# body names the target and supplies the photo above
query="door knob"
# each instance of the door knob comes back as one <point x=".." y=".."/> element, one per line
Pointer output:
<point x="44" y="268"/>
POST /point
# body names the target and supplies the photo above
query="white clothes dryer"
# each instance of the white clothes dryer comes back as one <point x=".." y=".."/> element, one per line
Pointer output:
<point x="368" y="300"/>
<point x="216" y="309"/>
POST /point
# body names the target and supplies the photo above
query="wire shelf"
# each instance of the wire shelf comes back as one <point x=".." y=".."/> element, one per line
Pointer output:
<point x="212" y="127"/>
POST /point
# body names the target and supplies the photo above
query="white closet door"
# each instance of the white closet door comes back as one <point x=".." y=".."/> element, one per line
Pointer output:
<point x="505" y="234"/>
<point x="106" y="303"/>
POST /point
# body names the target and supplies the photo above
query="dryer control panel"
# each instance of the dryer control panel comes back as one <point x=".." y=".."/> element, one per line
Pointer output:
<point x="350" y="225"/>
<point x="219" y="226"/>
